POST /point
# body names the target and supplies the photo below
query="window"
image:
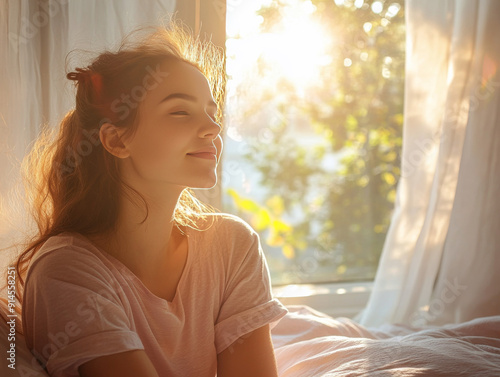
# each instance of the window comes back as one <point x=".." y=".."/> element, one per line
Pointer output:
<point x="313" y="131"/>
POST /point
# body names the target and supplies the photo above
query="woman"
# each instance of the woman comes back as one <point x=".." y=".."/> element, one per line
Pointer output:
<point x="130" y="275"/>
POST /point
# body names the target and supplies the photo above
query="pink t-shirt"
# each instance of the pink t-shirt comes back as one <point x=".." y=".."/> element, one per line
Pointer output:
<point x="81" y="303"/>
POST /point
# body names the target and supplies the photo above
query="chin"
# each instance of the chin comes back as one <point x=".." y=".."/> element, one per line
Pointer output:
<point x="205" y="184"/>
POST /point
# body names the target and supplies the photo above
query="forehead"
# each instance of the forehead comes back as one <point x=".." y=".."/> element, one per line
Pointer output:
<point x="179" y="77"/>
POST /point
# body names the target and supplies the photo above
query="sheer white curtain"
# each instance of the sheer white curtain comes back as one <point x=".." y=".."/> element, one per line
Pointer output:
<point x="35" y="37"/>
<point x="441" y="258"/>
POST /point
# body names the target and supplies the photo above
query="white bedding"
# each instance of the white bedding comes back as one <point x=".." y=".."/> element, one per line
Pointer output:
<point x="309" y="343"/>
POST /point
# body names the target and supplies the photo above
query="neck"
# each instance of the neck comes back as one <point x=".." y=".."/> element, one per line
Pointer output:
<point x="144" y="247"/>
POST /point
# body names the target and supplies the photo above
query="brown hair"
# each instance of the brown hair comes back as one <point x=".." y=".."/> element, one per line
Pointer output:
<point x="72" y="181"/>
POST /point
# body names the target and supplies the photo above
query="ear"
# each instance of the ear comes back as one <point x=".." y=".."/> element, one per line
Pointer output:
<point x="111" y="139"/>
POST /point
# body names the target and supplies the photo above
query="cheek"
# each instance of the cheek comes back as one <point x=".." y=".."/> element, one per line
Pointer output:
<point x="156" y="151"/>
<point x="150" y="149"/>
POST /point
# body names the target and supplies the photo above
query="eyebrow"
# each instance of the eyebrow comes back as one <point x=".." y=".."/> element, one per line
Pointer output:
<point x="184" y="96"/>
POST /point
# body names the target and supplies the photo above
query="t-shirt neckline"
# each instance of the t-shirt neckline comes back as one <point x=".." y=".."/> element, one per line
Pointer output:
<point x="138" y="282"/>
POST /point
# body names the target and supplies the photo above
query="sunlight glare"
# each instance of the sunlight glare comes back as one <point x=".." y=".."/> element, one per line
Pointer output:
<point x="298" y="49"/>
<point x="293" y="50"/>
<point x="393" y="10"/>
<point x="377" y="7"/>
<point x="359" y="3"/>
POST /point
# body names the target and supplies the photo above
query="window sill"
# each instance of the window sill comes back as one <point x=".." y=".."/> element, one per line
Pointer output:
<point x="334" y="299"/>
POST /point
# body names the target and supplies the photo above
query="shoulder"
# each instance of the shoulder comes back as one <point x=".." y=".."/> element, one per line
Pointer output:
<point x="227" y="227"/>
<point x="66" y="271"/>
<point x="233" y="222"/>
<point x="68" y="255"/>
<point x="230" y="237"/>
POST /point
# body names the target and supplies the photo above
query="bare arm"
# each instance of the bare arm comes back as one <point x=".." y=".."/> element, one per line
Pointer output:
<point x="124" y="364"/>
<point x="251" y="355"/>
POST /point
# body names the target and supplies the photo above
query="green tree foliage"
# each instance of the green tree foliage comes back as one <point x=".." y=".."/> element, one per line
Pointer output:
<point x="357" y="109"/>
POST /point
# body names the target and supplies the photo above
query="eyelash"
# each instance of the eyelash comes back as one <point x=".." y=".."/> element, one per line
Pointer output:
<point x="182" y="112"/>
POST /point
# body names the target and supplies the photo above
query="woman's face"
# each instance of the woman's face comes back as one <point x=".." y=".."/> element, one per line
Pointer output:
<point x="177" y="141"/>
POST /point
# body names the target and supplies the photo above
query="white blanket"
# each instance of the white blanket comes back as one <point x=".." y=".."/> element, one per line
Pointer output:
<point x="309" y="343"/>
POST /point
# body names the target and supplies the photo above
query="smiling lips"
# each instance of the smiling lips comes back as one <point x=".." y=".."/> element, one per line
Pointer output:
<point x="209" y="153"/>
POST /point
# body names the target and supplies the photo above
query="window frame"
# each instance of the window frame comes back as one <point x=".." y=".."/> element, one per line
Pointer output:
<point x="339" y="299"/>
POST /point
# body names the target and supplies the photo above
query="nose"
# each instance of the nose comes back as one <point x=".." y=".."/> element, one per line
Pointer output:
<point x="211" y="129"/>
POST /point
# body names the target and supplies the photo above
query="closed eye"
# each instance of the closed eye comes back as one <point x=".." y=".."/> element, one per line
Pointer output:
<point x="180" y="113"/>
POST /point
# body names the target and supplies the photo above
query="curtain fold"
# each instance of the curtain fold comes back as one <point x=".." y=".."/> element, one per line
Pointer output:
<point x="442" y="249"/>
<point x="35" y="38"/>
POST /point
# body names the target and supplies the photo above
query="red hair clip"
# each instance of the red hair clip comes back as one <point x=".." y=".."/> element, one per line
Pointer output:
<point x="86" y="74"/>
<point x="96" y="79"/>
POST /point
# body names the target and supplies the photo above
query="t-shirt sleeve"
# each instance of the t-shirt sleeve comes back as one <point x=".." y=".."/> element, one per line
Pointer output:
<point x="247" y="302"/>
<point x="73" y="313"/>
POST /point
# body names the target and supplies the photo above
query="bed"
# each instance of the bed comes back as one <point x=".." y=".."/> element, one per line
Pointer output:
<point x="310" y="343"/>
